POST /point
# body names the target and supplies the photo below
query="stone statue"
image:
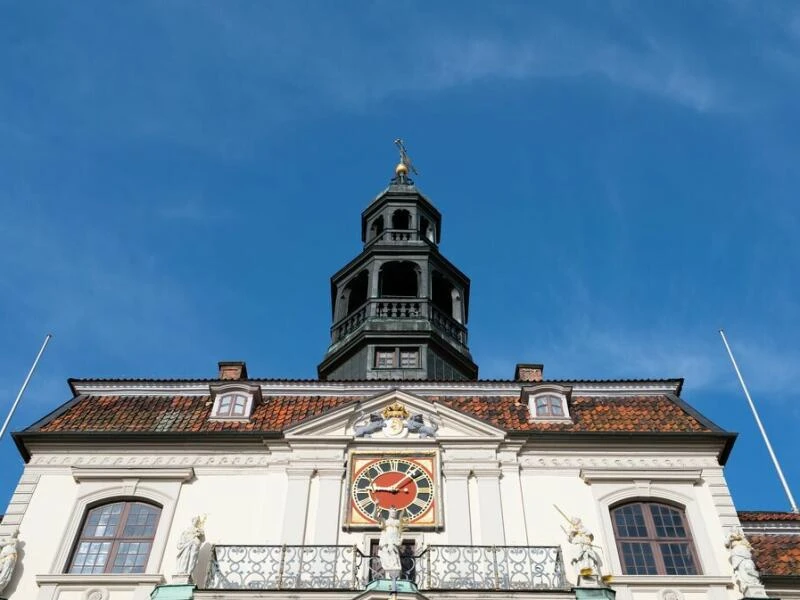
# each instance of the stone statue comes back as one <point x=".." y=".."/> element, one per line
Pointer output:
<point x="189" y="546"/>
<point x="368" y="425"/>
<point x="389" y="544"/>
<point x="588" y="561"/>
<point x="8" y="559"/>
<point x="416" y="424"/>
<point x="745" y="572"/>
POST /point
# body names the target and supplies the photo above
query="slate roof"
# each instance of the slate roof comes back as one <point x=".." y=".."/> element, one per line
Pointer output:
<point x="641" y="414"/>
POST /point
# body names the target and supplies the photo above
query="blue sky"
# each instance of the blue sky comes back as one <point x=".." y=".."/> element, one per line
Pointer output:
<point x="179" y="180"/>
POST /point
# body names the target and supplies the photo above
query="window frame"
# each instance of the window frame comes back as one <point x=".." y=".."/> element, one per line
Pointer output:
<point x="532" y="393"/>
<point x="652" y="539"/>
<point x="397" y="356"/>
<point x="117" y="539"/>
<point x="98" y="485"/>
<point x="553" y="403"/>
<point x="220" y="411"/>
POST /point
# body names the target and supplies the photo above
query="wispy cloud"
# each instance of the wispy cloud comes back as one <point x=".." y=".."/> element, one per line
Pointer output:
<point x="700" y="359"/>
<point x="225" y="77"/>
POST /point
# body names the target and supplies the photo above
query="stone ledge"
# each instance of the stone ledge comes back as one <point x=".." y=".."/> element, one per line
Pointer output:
<point x="100" y="579"/>
<point x="670" y="580"/>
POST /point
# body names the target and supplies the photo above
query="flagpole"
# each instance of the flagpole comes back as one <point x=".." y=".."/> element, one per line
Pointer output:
<point x="760" y="426"/>
<point x="24" y="385"/>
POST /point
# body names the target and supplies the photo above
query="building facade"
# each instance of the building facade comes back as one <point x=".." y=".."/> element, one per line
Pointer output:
<point x="236" y="487"/>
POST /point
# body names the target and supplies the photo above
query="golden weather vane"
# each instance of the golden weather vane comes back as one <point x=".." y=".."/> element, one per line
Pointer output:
<point x="405" y="161"/>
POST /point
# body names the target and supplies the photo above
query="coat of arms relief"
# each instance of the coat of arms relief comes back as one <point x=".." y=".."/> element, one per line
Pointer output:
<point x="394" y="422"/>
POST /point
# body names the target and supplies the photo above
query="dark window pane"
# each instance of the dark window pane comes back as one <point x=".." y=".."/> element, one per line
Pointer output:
<point x="630" y="521"/>
<point x="678" y="559"/>
<point x="668" y="521"/>
<point x="141" y="521"/>
<point x="638" y="559"/>
<point x="103" y="520"/>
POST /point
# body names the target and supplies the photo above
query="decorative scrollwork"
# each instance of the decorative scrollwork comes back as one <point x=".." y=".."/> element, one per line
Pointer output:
<point x="347" y="568"/>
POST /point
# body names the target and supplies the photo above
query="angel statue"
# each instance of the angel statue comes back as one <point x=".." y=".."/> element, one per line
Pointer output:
<point x="745" y="572"/>
<point x="588" y="561"/>
<point x="8" y="559"/>
<point x="189" y="546"/>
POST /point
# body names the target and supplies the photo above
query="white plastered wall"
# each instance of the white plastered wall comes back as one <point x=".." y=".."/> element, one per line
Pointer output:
<point x="493" y="493"/>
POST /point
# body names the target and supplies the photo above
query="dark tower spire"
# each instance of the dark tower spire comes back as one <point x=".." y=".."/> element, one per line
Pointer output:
<point x="399" y="308"/>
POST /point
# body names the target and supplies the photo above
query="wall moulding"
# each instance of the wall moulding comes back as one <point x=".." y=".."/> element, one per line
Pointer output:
<point x="611" y="462"/>
<point x="666" y="474"/>
<point x="150" y="460"/>
<point x="88" y="474"/>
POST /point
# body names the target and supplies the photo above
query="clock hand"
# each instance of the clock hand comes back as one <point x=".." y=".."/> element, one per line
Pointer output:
<point x="409" y="477"/>
<point x="378" y="488"/>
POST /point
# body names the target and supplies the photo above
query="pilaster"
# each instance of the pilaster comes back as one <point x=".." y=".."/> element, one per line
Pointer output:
<point x="456" y="491"/>
<point x="490" y="505"/>
<point x="297" y="492"/>
<point x="326" y="524"/>
<point x="513" y="510"/>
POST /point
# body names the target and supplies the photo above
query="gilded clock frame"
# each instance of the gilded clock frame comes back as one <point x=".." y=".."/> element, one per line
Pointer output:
<point x="349" y="511"/>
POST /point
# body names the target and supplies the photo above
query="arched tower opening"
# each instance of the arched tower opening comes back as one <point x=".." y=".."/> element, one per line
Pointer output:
<point x="357" y="291"/>
<point x="443" y="293"/>
<point x="401" y="219"/>
<point x="426" y="231"/>
<point x="376" y="228"/>
<point x="399" y="279"/>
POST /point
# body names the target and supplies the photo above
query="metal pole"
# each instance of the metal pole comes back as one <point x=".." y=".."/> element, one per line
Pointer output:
<point x="25" y="385"/>
<point x="760" y="426"/>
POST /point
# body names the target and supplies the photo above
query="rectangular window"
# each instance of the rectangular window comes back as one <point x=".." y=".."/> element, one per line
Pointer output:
<point x="549" y="406"/>
<point x="232" y="405"/>
<point x="384" y="359"/>
<point x="409" y="359"/>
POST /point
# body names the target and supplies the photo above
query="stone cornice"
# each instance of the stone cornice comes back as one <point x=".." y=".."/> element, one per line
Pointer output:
<point x="371" y="388"/>
<point x="146" y="463"/>
<point x="616" y="463"/>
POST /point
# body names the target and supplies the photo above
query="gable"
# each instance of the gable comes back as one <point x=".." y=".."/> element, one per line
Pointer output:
<point x="396" y="415"/>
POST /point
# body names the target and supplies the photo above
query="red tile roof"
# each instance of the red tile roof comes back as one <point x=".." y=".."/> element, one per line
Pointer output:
<point x="752" y="516"/>
<point x="776" y="554"/>
<point x="276" y="413"/>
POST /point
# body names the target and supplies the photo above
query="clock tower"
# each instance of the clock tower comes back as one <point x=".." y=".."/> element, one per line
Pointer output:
<point x="400" y="308"/>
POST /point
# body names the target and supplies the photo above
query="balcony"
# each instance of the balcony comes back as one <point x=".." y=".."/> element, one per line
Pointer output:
<point x="376" y="309"/>
<point x="499" y="568"/>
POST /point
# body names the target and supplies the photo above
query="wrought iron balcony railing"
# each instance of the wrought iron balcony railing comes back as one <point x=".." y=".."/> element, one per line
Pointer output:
<point x="347" y="568"/>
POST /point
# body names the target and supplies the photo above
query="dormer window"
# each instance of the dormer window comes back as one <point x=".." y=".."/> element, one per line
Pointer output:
<point x="234" y="402"/>
<point x="232" y="405"/>
<point x="547" y="402"/>
<point x="549" y="405"/>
